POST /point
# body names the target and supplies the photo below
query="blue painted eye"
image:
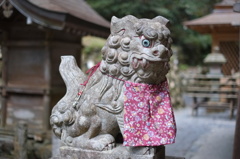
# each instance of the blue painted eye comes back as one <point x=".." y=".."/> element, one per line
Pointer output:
<point x="146" y="43"/>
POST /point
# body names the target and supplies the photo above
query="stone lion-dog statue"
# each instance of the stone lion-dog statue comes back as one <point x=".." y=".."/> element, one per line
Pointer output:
<point x="126" y="93"/>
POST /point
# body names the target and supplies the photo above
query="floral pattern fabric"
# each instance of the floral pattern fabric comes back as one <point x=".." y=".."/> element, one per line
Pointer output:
<point x="148" y="115"/>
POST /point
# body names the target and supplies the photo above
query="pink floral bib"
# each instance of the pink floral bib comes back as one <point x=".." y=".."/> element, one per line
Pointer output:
<point x="148" y="115"/>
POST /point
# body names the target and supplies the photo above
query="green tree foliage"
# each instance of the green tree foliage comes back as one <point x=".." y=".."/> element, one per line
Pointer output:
<point x="193" y="45"/>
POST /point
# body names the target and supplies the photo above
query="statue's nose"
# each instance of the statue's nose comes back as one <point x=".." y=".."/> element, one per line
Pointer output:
<point x="160" y="51"/>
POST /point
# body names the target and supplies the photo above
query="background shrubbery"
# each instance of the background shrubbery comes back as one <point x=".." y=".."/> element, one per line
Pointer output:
<point x="193" y="47"/>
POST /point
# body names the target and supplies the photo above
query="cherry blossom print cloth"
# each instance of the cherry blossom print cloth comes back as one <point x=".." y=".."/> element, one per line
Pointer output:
<point x="148" y="115"/>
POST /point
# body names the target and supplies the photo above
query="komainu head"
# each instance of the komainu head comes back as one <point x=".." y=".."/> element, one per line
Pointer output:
<point x="137" y="50"/>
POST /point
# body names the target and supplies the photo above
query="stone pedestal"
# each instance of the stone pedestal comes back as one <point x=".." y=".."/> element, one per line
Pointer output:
<point x="119" y="152"/>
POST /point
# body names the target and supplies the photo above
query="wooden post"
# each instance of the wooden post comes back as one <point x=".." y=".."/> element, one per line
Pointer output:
<point x="195" y="107"/>
<point x="236" y="153"/>
<point x="20" y="141"/>
<point x="4" y="79"/>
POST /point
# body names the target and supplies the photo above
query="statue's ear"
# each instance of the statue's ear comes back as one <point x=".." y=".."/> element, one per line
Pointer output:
<point x="114" y="25"/>
<point x="114" y="20"/>
<point x="161" y="20"/>
<point x="123" y="25"/>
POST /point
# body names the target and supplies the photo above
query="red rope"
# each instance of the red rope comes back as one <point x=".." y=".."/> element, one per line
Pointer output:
<point x="91" y="71"/>
<point x="116" y="78"/>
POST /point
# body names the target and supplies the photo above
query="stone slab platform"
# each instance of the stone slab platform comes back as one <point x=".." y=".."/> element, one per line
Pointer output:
<point x="117" y="153"/>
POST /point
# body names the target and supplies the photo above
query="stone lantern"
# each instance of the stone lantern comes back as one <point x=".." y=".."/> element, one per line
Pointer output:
<point x="214" y="62"/>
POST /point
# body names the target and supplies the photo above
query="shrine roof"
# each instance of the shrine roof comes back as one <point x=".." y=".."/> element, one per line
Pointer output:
<point x="71" y="15"/>
<point x="222" y="19"/>
<point x="77" y="8"/>
<point x="229" y="18"/>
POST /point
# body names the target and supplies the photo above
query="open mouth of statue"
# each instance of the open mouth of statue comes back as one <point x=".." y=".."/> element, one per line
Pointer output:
<point x="136" y="62"/>
<point x="143" y="60"/>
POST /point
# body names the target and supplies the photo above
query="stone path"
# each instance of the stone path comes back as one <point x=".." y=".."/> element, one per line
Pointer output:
<point x="207" y="136"/>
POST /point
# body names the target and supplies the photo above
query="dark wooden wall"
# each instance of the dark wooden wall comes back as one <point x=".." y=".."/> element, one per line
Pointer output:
<point x="31" y="80"/>
<point x="230" y="51"/>
<point x="228" y="44"/>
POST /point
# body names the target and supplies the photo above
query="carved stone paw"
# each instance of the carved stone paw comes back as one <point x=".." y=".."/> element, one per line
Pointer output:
<point x="102" y="142"/>
<point x="110" y="146"/>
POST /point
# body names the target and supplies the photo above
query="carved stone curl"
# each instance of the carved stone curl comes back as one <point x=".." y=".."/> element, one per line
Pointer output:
<point x="137" y="50"/>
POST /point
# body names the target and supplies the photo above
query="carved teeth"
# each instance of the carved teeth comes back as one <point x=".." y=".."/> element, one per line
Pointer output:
<point x="135" y="62"/>
<point x="144" y="63"/>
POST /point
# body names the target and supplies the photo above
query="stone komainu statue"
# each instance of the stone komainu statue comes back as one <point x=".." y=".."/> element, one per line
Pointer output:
<point x="126" y="93"/>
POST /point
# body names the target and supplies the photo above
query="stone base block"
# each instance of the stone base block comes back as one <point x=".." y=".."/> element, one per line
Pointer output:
<point x="120" y="152"/>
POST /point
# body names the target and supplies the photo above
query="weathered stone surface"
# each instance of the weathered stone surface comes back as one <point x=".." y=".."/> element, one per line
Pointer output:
<point x="118" y="153"/>
<point x="90" y="116"/>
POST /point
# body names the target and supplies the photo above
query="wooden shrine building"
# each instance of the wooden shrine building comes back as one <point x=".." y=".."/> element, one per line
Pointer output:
<point x="223" y="25"/>
<point x="33" y="36"/>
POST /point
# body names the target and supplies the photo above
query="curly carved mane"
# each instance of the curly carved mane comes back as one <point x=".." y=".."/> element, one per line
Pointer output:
<point x="117" y="54"/>
<point x="138" y="51"/>
<point x="123" y="58"/>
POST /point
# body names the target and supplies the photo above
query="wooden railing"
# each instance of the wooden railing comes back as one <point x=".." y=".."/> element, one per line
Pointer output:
<point x="213" y="92"/>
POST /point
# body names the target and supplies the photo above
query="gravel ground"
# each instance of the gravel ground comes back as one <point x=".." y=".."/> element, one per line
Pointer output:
<point x="206" y="136"/>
